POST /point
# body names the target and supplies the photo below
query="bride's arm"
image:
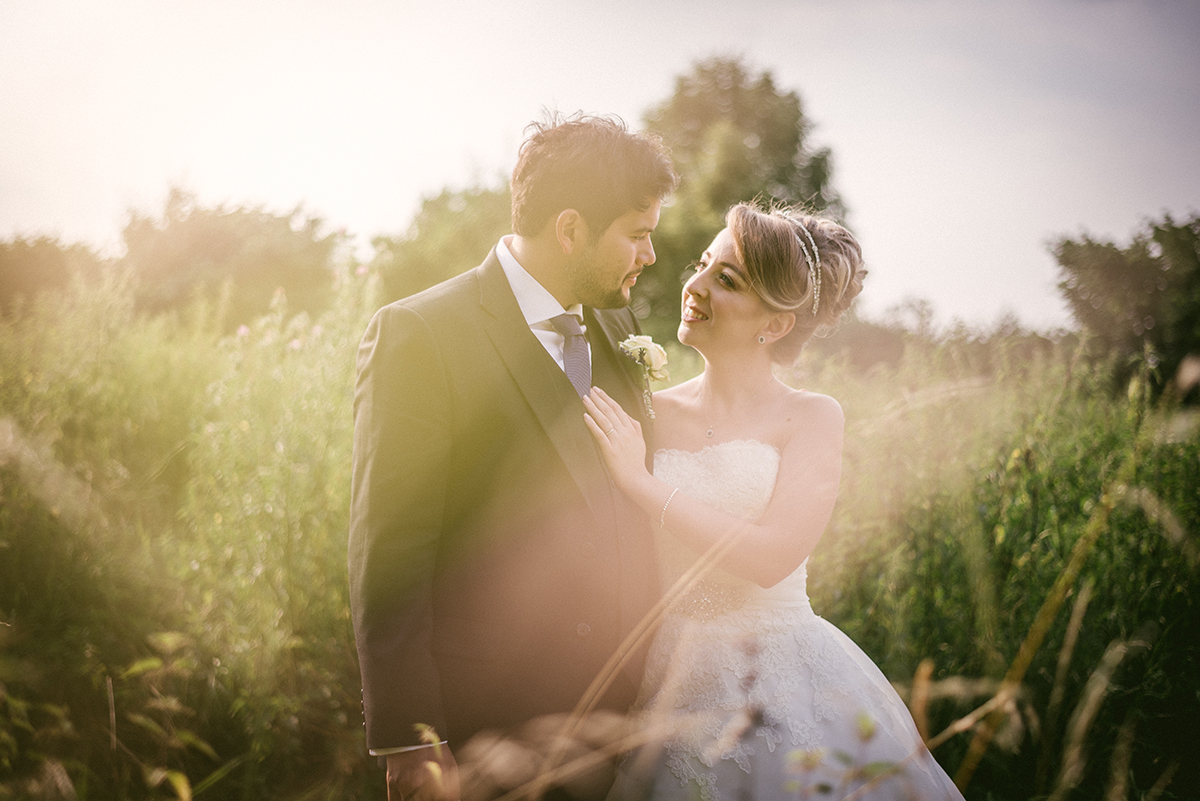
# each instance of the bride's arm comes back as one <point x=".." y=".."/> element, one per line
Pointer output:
<point x="769" y="549"/>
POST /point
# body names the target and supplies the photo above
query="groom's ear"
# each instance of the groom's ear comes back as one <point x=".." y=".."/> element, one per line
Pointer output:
<point x="571" y="231"/>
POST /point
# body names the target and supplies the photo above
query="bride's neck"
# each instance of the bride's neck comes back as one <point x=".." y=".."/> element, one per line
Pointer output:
<point x="726" y="384"/>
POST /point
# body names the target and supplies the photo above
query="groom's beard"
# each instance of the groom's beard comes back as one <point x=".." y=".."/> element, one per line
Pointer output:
<point x="592" y="285"/>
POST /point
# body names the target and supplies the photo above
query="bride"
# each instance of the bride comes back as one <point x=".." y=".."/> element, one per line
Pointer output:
<point x="762" y="698"/>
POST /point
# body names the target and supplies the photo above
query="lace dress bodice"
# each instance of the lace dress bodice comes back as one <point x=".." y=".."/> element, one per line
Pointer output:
<point x="737" y="478"/>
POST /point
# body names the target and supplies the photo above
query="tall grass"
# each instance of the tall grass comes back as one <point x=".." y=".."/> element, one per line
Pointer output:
<point x="208" y="564"/>
<point x="965" y="493"/>
<point x="173" y="512"/>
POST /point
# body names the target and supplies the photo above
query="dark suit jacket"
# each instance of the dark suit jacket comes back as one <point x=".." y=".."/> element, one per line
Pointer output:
<point x="493" y="566"/>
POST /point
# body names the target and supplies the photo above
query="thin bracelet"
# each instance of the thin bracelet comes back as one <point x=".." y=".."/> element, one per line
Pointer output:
<point x="662" y="519"/>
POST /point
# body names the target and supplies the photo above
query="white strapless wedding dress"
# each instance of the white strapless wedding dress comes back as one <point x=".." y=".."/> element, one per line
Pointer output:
<point x="766" y="700"/>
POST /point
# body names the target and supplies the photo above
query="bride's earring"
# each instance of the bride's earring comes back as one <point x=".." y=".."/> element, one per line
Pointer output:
<point x="762" y="340"/>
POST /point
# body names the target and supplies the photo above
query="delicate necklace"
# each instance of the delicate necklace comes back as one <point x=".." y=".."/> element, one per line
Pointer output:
<point x="709" y="433"/>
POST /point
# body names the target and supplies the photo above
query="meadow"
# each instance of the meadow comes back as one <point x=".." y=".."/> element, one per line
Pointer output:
<point x="1015" y="546"/>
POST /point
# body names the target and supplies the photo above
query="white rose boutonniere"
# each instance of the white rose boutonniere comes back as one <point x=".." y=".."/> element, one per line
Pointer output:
<point x="648" y="353"/>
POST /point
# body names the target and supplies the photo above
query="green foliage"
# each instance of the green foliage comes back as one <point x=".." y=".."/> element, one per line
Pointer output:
<point x="734" y="136"/>
<point x="1142" y="298"/>
<point x="971" y="471"/>
<point x="28" y="268"/>
<point x="146" y="649"/>
<point x="239" y="256"/>
<point x="860" y="343"/>
<point x="173" y="506"/>
<point x="95" y="418"/>
<point x="264" y="528"/>
<point x="451" y="233"/>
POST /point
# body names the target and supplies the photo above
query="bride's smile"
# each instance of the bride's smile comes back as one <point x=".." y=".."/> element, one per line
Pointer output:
<point x="720" y="300"/>
<point x="692" y="315"/>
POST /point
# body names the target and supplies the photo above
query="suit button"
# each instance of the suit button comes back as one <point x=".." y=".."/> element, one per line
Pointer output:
<point x="588" y="549"/>
<point x="583" y="629"/>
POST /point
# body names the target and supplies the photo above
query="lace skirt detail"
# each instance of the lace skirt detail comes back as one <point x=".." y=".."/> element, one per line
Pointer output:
<point x="760" y="697"/>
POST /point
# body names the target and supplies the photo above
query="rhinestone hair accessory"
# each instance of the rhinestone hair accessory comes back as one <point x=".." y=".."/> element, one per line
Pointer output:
<point x="814" y="270"/>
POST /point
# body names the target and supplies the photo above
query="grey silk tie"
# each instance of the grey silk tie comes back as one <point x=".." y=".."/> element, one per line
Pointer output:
<point x="576" y="362"/>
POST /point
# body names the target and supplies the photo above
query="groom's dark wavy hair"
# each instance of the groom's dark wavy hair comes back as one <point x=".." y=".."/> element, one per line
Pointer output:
<point x="592" y="164"/>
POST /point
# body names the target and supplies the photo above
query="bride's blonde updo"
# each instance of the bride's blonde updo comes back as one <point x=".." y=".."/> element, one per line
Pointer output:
<point x="775" y="246"/>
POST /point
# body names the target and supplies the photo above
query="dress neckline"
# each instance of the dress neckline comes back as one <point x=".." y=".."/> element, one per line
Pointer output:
<point x="716" y="445"/>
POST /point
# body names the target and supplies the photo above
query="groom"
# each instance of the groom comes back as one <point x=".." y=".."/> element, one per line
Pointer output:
<point x="493" y="566"/>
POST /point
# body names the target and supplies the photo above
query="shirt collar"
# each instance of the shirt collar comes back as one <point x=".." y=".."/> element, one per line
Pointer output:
<point x="536" y="302"/>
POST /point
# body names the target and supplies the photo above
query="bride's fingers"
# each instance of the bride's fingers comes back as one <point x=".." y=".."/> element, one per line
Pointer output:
<point x="597" y="415"/>
<point x="594" y="427"/>
<point x="601" y="410"/>
<point x="613" y="419"/>
<point x="611" y="408"/>
<point x="602" y="432"/>
<point x="610" y="421"/>
<point x="593" y="407"/>
<point x="601" y="396"/>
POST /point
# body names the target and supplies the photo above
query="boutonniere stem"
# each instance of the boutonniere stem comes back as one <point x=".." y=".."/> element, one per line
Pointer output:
<point x="651" y="356"/>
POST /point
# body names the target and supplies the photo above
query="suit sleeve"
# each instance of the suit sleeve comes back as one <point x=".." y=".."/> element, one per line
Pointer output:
<point x="398" y="496"/>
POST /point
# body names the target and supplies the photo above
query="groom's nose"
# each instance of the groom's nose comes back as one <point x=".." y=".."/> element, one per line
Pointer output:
<point x="647" y="254"/>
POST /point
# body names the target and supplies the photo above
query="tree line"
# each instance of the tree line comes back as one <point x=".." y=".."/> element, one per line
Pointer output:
<point x="734" y="134"/>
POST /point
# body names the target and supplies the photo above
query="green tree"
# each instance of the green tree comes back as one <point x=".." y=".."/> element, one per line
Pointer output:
<point x="242" y="254"/>
<point x="30" y="267"/>
<point x="1144" y="298"/>
<point x="451" y="233"/>
<point x="734" y="136"/>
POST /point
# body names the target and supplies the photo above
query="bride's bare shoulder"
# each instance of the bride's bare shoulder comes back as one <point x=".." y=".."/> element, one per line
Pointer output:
<point x="814" y="401"/>
<point x="812" y="410"/>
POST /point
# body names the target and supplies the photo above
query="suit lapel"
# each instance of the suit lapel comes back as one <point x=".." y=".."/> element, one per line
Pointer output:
<point x="617" y="374"/>
<point x="545" y="388"/>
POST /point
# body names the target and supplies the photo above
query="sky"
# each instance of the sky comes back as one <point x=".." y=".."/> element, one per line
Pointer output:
<point x="966" y="136"/>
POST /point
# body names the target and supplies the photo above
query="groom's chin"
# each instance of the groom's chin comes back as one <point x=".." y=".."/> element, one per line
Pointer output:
<point x="616" y="300"/>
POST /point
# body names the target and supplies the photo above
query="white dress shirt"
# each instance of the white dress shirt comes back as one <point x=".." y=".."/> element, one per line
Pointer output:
<point x="537" y="304"/>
